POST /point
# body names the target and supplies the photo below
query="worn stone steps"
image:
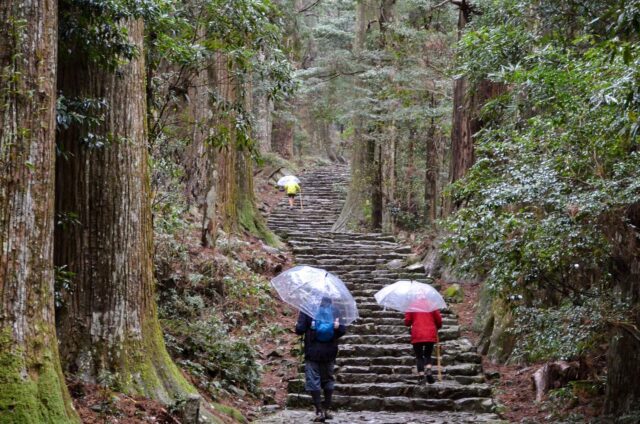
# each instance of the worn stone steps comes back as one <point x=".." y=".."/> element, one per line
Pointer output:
<point x="386" y="417"/>
<point x="398" y="403"/>
<point x="403" y="358"/>
<point x="403" y="370"/>
<point x="403" y="386"/>
<point x="398" y="329"/>
<point x="395" y="321"/>
<point x="375" y="368"/>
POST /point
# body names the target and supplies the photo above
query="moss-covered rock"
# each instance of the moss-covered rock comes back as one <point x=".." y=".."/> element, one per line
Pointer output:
<point x="502" y="340"/>
<point x="454" y="293"/>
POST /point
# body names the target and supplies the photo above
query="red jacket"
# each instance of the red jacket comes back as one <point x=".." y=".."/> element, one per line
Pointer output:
<point x="424" y="326"/>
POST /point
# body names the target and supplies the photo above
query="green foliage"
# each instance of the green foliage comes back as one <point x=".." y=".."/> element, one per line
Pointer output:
<point x="215" y="357"/>
<point x="566" y="331"/>
<point x="87" y="113"/>
<point x="214" y="314"/>
<point x="557" y="165"/>
<point x="93" y="29"/>
<point x="187" y="38"/>
<point x="63" y="284"/>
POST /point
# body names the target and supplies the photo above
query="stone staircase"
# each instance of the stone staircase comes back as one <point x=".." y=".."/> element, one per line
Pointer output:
<point x="375" y="366"/>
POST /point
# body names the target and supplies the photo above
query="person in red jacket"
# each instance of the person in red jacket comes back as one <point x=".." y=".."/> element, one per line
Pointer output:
<point x="424" y="335"/>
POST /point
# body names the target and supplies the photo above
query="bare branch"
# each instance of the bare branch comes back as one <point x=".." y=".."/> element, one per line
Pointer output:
<point x="309" y="6"/>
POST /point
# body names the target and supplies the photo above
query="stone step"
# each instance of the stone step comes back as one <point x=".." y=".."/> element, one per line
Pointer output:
<point x="397" y="403"/>
<point x="368" y="312"/>
<point x="364" y="417"/>
<point x="400" y="329"/>
<point x="448" y="358"/>
<point x="404" y="370"/>
<point x="362" y="255"/>
<point x="342" y="268"/>
<point x="446" y="389"/>
<point x="404" y="349"/>
<point x="395" y="321"/>
<point x="374" y="379"/>
<point x="348" y="236"/>
<point x="346" y="248"/>
<point x="444" y="334"/>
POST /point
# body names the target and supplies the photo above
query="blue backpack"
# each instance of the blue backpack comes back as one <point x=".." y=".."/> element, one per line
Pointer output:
<point x="324" y="324"/>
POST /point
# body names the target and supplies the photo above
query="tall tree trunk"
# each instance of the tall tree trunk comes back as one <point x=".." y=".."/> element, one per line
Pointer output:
<point x="227" y="193"/>
<point x="32" y="388"/>
<point x="263" y="112"/>
<point x="199" y="157"/>
<point x="326" y="140"/>
<point x="363" y="153"/>
<point x="623" y="390"/>
<point x="108" y="326"/>
<point x="411" y="169"/>
<point x="388" y="183"/>
<point x="234" y="192"/>
<point x="467" y="103"/>
<point x="431" y="173"/>
<point x="461" y="140"/>
<point x="282" y="134"/>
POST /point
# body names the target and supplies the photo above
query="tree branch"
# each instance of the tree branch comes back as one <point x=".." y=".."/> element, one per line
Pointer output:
<point x="309" y="6"/>
<point x="630" y="328"/>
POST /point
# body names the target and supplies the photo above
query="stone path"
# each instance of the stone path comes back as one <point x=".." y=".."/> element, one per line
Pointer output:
<point x="375" y="368"/>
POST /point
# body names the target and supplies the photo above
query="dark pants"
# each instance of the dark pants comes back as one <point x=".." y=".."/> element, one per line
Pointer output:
<point x="318" y="375"/>
<point x="423" y="354"/>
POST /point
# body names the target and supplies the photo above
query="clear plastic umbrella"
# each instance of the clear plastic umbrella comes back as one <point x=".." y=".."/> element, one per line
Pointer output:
<point x="410" y="296"/>
<point x="287" y="179"/>
<point x="303" y="287"/>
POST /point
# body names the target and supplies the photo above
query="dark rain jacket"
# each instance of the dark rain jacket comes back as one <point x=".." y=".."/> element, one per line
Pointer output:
<point x="313" y="349"/>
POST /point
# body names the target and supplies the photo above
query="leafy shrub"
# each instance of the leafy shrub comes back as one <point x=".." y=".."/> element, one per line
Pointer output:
<point x="557" y="167"/>
<point x="566" y="331"/>
<point x="209" y="351"/>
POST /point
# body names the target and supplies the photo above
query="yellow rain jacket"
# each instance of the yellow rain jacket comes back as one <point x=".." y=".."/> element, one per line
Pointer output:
<point x="292" y="188"/>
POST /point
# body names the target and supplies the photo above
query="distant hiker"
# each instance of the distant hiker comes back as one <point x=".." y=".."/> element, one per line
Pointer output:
<point x="424" y="335"/>
<point x="292" y="188"/>
<point x="320" y="351"/>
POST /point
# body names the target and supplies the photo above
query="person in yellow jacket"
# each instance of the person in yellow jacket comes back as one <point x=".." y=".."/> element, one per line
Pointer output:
<point x="292" y="188"/>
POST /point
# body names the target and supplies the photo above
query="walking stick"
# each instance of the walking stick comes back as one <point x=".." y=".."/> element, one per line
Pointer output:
<point x="439" y="361"/>
<point x="301" y="208"/>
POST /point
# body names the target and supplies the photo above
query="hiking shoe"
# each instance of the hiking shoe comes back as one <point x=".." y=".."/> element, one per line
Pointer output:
<point x="319" y="417"/>
<point x="421" y="380"/>
<point x="430" y="379"/>
<point x="328" y="415"/>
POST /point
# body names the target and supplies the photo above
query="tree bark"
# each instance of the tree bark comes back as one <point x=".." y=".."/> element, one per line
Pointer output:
<point x="282" y="134"/>
<point x="431" y="173"/>
<point x="363" y="153"/>
<point x="467" y="102"/>
<point x="263" y="111"/>
<point x="108" y="324"/>
<point x="234" y="192"/>
<point x="200" y="155"/>
<point x="623" y="360"/>
<point x="388" y="183"/>
<point x="326" y="140"/>
<point x="461" y="140"/>
<point x="32" y="388"/>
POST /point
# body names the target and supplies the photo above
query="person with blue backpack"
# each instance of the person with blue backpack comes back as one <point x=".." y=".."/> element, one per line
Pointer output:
<point x="320" y="351"/>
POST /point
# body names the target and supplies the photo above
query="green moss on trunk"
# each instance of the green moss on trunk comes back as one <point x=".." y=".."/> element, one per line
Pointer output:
<point x="250" y="220"/>
<point x="30" y="394"/>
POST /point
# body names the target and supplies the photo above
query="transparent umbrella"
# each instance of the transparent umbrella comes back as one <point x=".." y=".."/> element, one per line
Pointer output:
<point x="410" y="296"/>
<point x="303" y="287"/>
<point x="287" y="179"/>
